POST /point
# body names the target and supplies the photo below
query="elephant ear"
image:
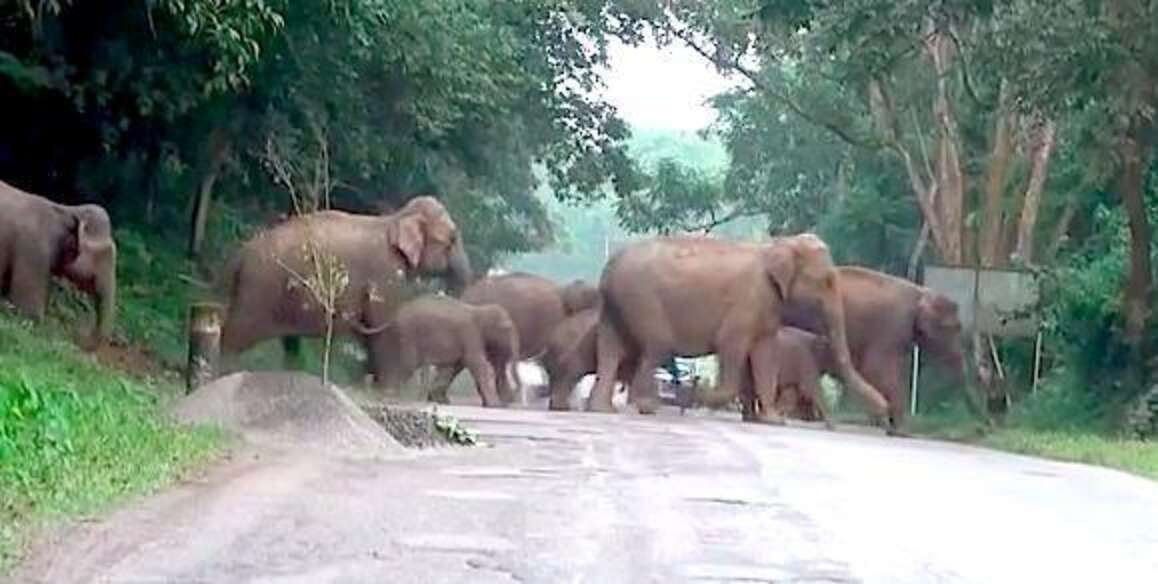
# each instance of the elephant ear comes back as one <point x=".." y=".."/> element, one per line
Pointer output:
<point x="780" y="265"/>
<point x="409" y="238"/>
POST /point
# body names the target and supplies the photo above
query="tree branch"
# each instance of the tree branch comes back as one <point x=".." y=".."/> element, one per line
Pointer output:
<point x="765" y="88"/>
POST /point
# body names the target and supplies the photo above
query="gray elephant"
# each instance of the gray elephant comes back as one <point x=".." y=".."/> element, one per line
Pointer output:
<point x="570" y="356"/>
<point x="40" y="239"/>
<point x="884" y="317"/>
<point x="449" y="333"/>
<point x="803" y="356"/>
<point x="693" y="295"/>
<point x="269" y="282"/>
<point x="536" y="305"/>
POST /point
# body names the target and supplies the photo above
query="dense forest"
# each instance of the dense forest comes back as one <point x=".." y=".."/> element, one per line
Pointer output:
<point x="999" y="134"/>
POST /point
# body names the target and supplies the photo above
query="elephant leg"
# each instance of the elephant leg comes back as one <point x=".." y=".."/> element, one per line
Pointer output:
<point x="484" y="379"/>
<point x="609" y="354"/>
<point x="644" y="382"/>
<point x="503" y="381"/>
<point x="562" y="383"/>
<point x="886" y="375"/>
<point x="443" y="376"/>
<point x="764" y="362"/>
<point x="28" y="290"/>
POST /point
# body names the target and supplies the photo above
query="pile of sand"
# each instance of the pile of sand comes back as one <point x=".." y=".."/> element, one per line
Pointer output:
<point x="289" y="410"/>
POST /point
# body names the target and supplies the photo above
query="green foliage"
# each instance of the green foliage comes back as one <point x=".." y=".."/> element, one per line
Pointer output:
<point x="1136" y="456"/>
<point x="139" y="105"/>
<point x="454" y="430"/>
<point x="75" y="436"/>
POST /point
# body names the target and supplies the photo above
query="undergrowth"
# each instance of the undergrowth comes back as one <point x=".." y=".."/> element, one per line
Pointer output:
<point x="76" y="436"/>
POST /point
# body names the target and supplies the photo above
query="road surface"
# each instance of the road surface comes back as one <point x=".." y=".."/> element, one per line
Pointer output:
<point x="606" y="499"/>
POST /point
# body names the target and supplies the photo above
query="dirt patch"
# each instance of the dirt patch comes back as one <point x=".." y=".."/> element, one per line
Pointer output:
<point x="135" y="360"/>
<point x="289" y="410"/>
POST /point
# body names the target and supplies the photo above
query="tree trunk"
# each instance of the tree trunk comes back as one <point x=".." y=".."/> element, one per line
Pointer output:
<point x="218" y="151"/>
<point x="1032" y="203"/>
<point x="886" y="121"/>
<point x="1062" y="227"/>
<point x="918" y="251"/>
<point x="950" y="179"/>
<point x="998" y="171"/>
<point x="1135" y="160"/>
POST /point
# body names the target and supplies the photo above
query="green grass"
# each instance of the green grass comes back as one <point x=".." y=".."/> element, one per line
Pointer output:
<point x="76" y="437"/>
<point x="1135" y="456"/>
<point x="1036" y="428"/>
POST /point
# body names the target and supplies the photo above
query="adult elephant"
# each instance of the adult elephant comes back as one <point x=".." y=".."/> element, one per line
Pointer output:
<point x="884" y="317"/>
<point x="696" y="295"/>
<point x="270" y="282"/>
<point x="40" y="239"/>
<point x="536" y="305"/>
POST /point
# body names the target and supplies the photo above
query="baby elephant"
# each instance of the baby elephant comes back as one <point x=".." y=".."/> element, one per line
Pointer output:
<point x="803" y="358"/>
<point x="446" y="332"/>
<point x="570" y="356"/>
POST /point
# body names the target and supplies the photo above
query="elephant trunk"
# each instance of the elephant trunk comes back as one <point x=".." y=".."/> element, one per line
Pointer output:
<point x="104" y="295"/>
<point x="459" y="272"/>
<point x="842" y="358"/>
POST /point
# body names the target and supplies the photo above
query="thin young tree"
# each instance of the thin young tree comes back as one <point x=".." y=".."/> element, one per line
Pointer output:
<point x="304" y="172"/>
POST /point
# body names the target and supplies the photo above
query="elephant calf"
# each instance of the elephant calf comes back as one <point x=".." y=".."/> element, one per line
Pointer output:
<point x="451" y="334"/>
<point x="803" y="357"/>
<point x="571" y="354"/>
<point x="40" y="239"/>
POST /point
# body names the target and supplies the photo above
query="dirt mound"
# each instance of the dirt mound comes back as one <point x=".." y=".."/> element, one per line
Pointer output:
<point x="289" y="410"/>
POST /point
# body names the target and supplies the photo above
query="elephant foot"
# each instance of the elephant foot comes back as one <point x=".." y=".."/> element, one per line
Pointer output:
<point x="600" y="406"/>
<point x="558" y="406"/>
<point x="897" y="432"/>
<point x="829" y="426"/>
<point x="438" y="398"/>
<point x="770" y="418"/>
<point x="647" y="406"/>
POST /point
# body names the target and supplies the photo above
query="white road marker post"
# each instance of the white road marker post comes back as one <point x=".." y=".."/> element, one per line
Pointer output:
<point x="913" y="381"/>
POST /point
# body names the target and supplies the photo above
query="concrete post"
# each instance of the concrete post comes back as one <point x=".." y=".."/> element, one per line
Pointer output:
<point x="204" y="344"/>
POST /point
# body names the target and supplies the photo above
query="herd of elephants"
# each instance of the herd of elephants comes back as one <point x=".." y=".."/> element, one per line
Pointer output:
<point x="777" y="313"/>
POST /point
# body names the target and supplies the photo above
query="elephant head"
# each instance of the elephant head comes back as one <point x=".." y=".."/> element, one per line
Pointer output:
<point x="431" y="243"/>
<point x="89" y="260"/>
<point x="579" y="296"/>
<point x="938" y="332"/>
<point x="800" y="267"/>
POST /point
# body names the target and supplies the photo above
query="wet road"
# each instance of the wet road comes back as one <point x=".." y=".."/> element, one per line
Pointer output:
<point x="605" y="499"/>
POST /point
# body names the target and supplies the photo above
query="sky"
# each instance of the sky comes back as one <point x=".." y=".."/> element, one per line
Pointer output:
<point x="662" y="88"/>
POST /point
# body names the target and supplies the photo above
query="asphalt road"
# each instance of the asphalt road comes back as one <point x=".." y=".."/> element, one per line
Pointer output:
<point x="605" y="499"/>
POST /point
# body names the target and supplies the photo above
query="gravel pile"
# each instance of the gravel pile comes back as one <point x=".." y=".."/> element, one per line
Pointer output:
<point x="289" y="410"/>
<point x="411" y="427"/>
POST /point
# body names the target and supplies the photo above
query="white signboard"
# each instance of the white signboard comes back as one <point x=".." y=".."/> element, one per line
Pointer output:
<point x="998" y="302"/>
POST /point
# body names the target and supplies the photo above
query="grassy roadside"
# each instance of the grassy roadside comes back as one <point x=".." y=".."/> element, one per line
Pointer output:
<point x="1139" y="457"/>
<point x="77" y="436"/>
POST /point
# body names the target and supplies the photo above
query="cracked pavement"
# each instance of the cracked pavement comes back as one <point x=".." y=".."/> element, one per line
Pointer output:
<point x="575" y="497"/>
